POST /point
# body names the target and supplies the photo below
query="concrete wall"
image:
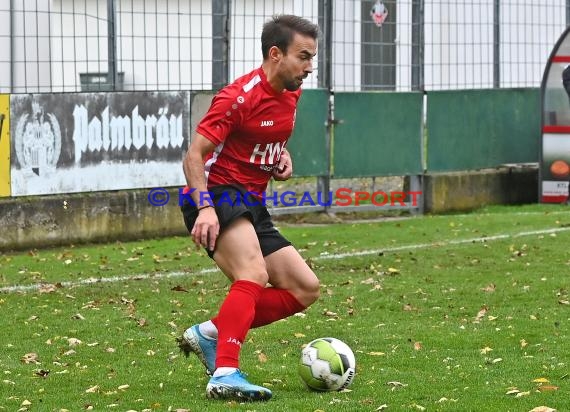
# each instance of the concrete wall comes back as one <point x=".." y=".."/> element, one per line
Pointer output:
<point x="104" y="216"/>
<point x="463" y="191"/>
<point x="35" y="222"/>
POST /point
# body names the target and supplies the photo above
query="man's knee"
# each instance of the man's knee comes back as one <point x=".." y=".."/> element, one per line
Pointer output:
<point x="258" y="275"/>
<point x="314" y="290"/>
<point x="254" y="271"/>
<point x="248" y="265"/>
<point x="309" y="292"/>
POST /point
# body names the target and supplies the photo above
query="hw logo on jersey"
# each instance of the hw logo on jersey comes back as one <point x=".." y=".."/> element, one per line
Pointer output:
<point x="270" y="154"/>
<point x="266" y="123"/>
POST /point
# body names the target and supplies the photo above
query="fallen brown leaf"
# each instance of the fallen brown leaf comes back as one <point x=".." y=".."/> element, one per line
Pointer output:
<point x="481" y="314"/>
<point x="73" y="342"/>
<point x="521" y="394"/>
<point x="396" y="384"/>
<point x="42" y="373"/>
<point x="31" y="357"/>
<point x="47" y="288"/>
<point x="262" y="357"/>
<point x="179" y="288"/>
<point x="92" y="389"/>
<point x="548" y="388"/>
<point x="485" y="350"/>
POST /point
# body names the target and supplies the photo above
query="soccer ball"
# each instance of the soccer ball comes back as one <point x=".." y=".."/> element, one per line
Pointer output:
<point x="327" y="364"/>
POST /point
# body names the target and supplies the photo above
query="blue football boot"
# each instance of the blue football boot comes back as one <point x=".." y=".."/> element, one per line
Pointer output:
<point x="235" y="386"/>
<point x="205" y="348"/>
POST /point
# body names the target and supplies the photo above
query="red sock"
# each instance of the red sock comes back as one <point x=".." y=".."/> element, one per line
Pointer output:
<point x="234" y="321"/>
<point x="275" y="304"/>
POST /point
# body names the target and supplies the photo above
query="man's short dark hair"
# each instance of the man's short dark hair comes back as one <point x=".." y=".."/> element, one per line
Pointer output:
<point x="279" y="31"/>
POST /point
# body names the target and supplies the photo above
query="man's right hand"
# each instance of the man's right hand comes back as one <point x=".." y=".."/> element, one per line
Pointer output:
<point x="206" y="228"/>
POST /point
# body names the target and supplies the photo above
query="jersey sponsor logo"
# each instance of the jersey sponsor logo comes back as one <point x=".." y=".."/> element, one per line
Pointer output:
<point x="266" y="123"/>
<point x="268" y="155"/>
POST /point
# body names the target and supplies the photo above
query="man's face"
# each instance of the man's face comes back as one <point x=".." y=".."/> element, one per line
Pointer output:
<point x="297" y="64"/>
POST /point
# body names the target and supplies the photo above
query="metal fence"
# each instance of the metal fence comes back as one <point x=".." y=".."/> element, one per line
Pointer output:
<point x="91" y="45"/>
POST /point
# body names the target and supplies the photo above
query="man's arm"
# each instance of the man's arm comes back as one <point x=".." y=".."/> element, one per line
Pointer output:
<point x="206" y="228"/>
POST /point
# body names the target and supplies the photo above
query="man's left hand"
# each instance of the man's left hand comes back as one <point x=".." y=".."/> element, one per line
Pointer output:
<point x="284" y="169"/>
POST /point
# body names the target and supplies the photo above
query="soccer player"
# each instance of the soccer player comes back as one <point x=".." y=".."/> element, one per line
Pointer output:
<point x="238" y="146"/>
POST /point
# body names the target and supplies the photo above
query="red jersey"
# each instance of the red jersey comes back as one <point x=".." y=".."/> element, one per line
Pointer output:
<point x="250" y="124"/>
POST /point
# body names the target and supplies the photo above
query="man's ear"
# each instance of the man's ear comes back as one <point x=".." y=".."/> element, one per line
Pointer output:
<point x="275" y="54"/>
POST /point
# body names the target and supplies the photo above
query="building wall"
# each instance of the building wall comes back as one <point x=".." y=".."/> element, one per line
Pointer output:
<point x="25" y="50"/>
<point x="167" y="44"/>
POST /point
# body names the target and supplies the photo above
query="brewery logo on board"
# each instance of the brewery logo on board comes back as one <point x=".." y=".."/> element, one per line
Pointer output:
<point x="38" y="141"/>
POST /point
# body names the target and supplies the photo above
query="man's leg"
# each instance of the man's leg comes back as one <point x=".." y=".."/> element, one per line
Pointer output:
<point x="239" y="256"/>
<point x="295" y="287"/>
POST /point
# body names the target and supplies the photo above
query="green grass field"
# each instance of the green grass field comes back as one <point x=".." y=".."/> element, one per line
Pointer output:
<point x="465" y="312"/>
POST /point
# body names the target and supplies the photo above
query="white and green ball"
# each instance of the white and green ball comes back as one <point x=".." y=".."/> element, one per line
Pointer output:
<point x="327" y="364"/>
